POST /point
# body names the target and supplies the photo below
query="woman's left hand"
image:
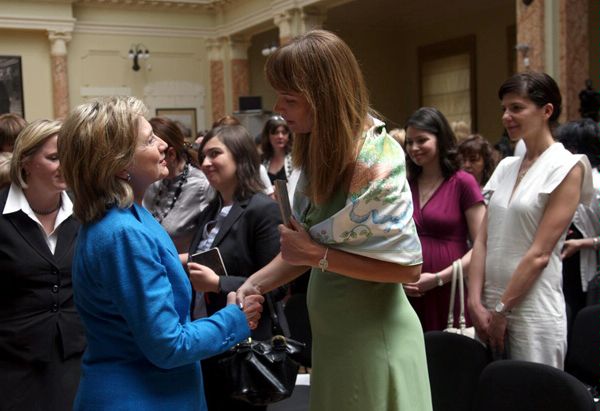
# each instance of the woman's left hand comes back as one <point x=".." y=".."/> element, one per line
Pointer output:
<point x="497" y="332"/>
<point x="203" y="278"/>
<point x="426" y="282"/>
<point x="297" y="247"/>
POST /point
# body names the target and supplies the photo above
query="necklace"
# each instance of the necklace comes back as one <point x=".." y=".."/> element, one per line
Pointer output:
<point x="182" y="180"/>
<point x="523" y="170"/>
<point x="47" y="212"/>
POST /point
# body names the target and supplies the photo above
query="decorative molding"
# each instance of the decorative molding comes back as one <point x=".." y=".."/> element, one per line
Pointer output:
<point x="37" y="23"/>
<point x="186" y="5"/>
<point x="238" y="47"/>
<point x="100" y="91"/>
<point x="128" y="29"/>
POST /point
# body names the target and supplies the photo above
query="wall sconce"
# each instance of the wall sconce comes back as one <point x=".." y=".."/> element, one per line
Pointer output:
<point x="524" y="50"/>
<point x="136" y="52"/>
<point x="269" y="49"/>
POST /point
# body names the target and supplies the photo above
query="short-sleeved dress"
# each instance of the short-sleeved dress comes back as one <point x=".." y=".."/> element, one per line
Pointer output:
<point x="443" y="231"/>
<point x="368" y="348"/>
<point x="537" y="326"/>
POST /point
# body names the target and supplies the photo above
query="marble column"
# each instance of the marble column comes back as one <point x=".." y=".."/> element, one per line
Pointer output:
<point x="240" y="69"/>
<point x="217" y="77"/>
<point x="573" y="54"/>
<point x="530" y="36"/>
<point x="286" y="22"/>
<point x="60" y="80"/>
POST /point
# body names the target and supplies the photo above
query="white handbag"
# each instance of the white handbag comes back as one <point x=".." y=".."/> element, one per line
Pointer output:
<point x="457" y="277"/>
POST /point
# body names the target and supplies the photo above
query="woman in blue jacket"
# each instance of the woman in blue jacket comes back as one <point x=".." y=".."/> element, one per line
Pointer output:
<point x="130" y="288"/>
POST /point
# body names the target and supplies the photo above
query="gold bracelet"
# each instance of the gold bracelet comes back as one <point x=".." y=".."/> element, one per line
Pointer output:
<point x="323" y="263"/>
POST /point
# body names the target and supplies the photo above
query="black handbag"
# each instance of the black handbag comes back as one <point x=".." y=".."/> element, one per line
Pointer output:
<point x="262" y="372"/>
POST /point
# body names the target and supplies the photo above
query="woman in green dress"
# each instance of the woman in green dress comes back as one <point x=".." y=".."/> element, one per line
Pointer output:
<point x="352" y="224"/>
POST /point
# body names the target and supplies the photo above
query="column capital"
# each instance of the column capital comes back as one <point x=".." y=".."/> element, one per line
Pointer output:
<point x="214" y="46"/>
<point x="286" y="23"/>
<point x="238" y="47"/>
<point x="58" y="42"/>
<point x="311" y="18"/>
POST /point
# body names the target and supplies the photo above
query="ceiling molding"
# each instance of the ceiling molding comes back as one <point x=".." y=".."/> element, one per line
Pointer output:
<point x="37" y="23"/>
<point x="186" y="5"/>
<point x="139" y="30"/>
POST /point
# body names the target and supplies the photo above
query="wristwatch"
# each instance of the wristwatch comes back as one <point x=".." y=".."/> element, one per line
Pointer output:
<point x="501" y="309"/>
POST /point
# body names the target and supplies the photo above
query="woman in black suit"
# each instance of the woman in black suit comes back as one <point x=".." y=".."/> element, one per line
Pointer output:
<point x="41" y="336"/>
<point x="242" y="223"/>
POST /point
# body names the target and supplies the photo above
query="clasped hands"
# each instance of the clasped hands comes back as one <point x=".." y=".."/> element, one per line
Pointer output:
<point x="205" y="279"/>
<point x="426" y="282"/>
<point x="491" y="327"/>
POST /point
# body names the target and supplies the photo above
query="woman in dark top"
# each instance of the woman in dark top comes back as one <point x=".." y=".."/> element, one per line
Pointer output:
<point x="241" y="221"/>
<point x="276" y="144"/>
<point x="41" y="336"/>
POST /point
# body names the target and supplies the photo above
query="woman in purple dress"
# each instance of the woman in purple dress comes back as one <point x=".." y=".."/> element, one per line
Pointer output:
<point x="448" y="209"/>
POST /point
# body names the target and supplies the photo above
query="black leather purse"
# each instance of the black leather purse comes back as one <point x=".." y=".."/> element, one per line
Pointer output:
<point x="262" y="372"/>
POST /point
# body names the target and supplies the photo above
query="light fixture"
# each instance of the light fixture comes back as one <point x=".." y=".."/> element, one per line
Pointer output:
<point x="136" y="52"/>
<point x="269" y="49"/>
<point x="524" y="48"/>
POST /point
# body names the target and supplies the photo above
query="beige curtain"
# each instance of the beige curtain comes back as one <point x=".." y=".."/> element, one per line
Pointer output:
<point x="445" y="86"/>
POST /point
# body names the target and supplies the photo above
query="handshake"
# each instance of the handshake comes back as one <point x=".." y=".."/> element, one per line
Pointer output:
<point x="250" y="304"/>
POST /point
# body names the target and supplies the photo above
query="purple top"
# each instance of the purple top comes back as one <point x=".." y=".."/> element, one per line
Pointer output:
<point x="443" y="231"/>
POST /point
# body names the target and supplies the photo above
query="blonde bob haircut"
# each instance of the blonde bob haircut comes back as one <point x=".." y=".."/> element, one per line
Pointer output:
<point x="321" y="67"/>
<point x="97" y="141"/>
<point x="28" y="142"/>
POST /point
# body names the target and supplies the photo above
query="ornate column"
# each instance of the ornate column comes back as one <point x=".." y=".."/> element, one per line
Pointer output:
<point x="240" y="69"/>
<point x="574" y="48"/>
<point x="530" y="36"/>
<point x="217" y="77"/>
<point x="311" y="18"/>
<point x="60" y="80"/>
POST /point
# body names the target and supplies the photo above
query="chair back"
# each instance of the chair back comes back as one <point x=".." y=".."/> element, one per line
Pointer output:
<point x="525" y="386"/>
<point x="583" y="353"/>
<point x="455" y="363"/>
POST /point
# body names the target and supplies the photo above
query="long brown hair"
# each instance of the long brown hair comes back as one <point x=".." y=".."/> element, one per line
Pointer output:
<point x="322" y="68"/>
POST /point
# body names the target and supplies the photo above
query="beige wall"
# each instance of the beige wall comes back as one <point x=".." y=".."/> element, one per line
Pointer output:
<point x="388" y="57"/>
<point x="34" y="49"/>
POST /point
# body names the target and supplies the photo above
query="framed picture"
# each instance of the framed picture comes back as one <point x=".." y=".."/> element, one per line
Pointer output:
<point x="185" y="116"/>
<point x="11" y="85"/>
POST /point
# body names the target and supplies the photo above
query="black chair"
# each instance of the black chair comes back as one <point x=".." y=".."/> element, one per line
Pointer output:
<point x="583" y="353"/>
<point x="455" y="363"/>
<point x="526" y="386"/>
<point x="296" y="313"/>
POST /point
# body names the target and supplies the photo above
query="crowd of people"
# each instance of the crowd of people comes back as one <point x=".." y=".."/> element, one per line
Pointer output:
<point x="104" y="306"/>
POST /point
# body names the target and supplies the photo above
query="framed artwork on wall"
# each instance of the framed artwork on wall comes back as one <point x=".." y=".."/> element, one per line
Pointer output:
<point x="185" y="116"/>
<point x="11" y="85"/>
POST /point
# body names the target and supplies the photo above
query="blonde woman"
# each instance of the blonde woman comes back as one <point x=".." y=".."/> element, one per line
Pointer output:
<point x="132" y="292"/>
<point x="41" y="336"/>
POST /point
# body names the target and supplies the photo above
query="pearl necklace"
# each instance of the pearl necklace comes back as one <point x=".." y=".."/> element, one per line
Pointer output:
<point x="176" y="194"/>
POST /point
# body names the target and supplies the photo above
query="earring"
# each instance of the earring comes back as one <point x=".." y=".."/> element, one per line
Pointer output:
<point x="128" y="177"/>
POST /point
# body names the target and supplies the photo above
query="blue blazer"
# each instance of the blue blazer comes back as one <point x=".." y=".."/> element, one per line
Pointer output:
<point x="134" y="297"/>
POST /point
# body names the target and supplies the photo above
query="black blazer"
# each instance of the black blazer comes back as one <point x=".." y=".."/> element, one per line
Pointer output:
<point x="248" y="240"/>
<point x="36" y="296"/>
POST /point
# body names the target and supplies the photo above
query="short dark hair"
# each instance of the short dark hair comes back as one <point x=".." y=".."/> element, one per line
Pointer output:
<point x="475" y="144"/>
<point x="582" y="137"/>
<point x="540" y="88"/>
<point x="430" y="119"/>
<point x="242" y="148"/>
<point x="270" y="127"/>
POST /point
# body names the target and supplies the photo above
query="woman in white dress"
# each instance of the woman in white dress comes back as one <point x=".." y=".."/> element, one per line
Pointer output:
<point x="515" y="280"/>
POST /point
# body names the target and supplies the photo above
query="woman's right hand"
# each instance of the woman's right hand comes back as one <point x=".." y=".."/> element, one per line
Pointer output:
<point x="481" y="319"/>
<point x="570" y="247"/>
<point x="251" y="305"/>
